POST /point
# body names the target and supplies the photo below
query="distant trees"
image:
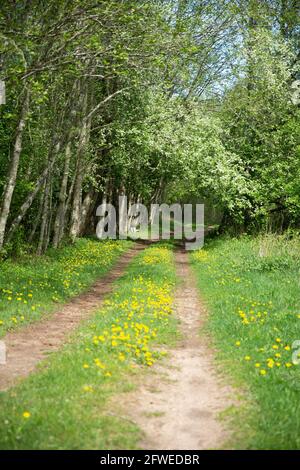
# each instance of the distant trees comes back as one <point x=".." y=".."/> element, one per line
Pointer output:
<point x="140" y="98"/>
<point x="262" y="117"/>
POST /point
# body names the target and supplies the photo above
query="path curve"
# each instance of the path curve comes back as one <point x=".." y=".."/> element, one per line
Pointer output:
<point x="177" y="406"/>
<point x="29" y="345"/>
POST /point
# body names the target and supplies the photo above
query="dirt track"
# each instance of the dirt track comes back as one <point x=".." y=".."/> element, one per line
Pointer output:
<point x="30" y="345"/>
<point x="177" y="406"/>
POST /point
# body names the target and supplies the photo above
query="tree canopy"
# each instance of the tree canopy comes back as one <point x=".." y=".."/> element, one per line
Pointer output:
<point x="153" y="99"/>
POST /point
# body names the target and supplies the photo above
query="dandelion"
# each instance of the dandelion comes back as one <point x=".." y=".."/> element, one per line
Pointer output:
<point x="26" y="414"/>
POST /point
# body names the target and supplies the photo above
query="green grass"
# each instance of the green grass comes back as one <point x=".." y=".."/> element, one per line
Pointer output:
<point x="67" y="399"/>
<point x="33" y="285"/>
<point x="252" y="290"/>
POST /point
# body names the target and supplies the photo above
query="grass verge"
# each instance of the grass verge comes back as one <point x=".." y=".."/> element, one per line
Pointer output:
<point x="252" y="290"/>
<point x="64" y="404"/>
<point x="34" y="285"/>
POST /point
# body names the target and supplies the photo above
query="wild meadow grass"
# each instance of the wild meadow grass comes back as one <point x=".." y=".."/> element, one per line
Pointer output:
<point x="65" y="404"/>
<point x="251" y="286"/>
<point x="33" y="285"/>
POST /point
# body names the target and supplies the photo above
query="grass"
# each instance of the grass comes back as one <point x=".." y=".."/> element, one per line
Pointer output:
<point x="33" y="285"/>
<point x="252" y="290"/>
<point x="65" y="404"/>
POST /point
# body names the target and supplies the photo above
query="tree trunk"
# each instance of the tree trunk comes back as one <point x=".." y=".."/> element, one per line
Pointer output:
<point x="77" y="194"/>
<point x="38" y="217"/>
<point x="87" y="206"/>
<point x="13" y="168"/>
<point x="31" y="196"/>
<point x="155" y="199"/>
<point x="45" y="217"/>
<point x="61" y="210"/>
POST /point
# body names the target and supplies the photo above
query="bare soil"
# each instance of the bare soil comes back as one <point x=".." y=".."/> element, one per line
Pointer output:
<point x="179" y="402"/>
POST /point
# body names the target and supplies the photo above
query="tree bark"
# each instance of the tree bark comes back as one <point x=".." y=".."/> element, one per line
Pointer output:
<point x="77" y="194"/>
<point x="13" y="167"/>
<point x="45" y="216"/>
<point x="87" y="206"/>
<point x="38" y="217"/>
<point x="54" y="150"/>
<point x="60" y="214"/>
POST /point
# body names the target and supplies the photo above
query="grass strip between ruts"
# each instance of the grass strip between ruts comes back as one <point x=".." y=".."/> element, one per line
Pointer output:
<point x="64" y="404"/>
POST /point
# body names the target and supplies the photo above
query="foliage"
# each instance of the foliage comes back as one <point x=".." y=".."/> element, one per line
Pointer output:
<point x="147" y="99"/>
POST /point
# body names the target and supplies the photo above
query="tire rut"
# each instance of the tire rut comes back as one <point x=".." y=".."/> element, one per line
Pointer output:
<point x="28" y="346"/>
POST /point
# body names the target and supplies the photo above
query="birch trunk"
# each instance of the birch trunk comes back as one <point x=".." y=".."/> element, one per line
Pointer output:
<point x="13" y="167"/>
<point x="59" y="219"/>
<point x="45" y="216"/>
<point x="50" y="216"/>
<point x="123" y="216"/>
<point x="77" y="194"/>
<point x="86" y="209"/>
<point x="54" y="150"/>
<point x="155" y="200"/>
<point x="38" y="217"/>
